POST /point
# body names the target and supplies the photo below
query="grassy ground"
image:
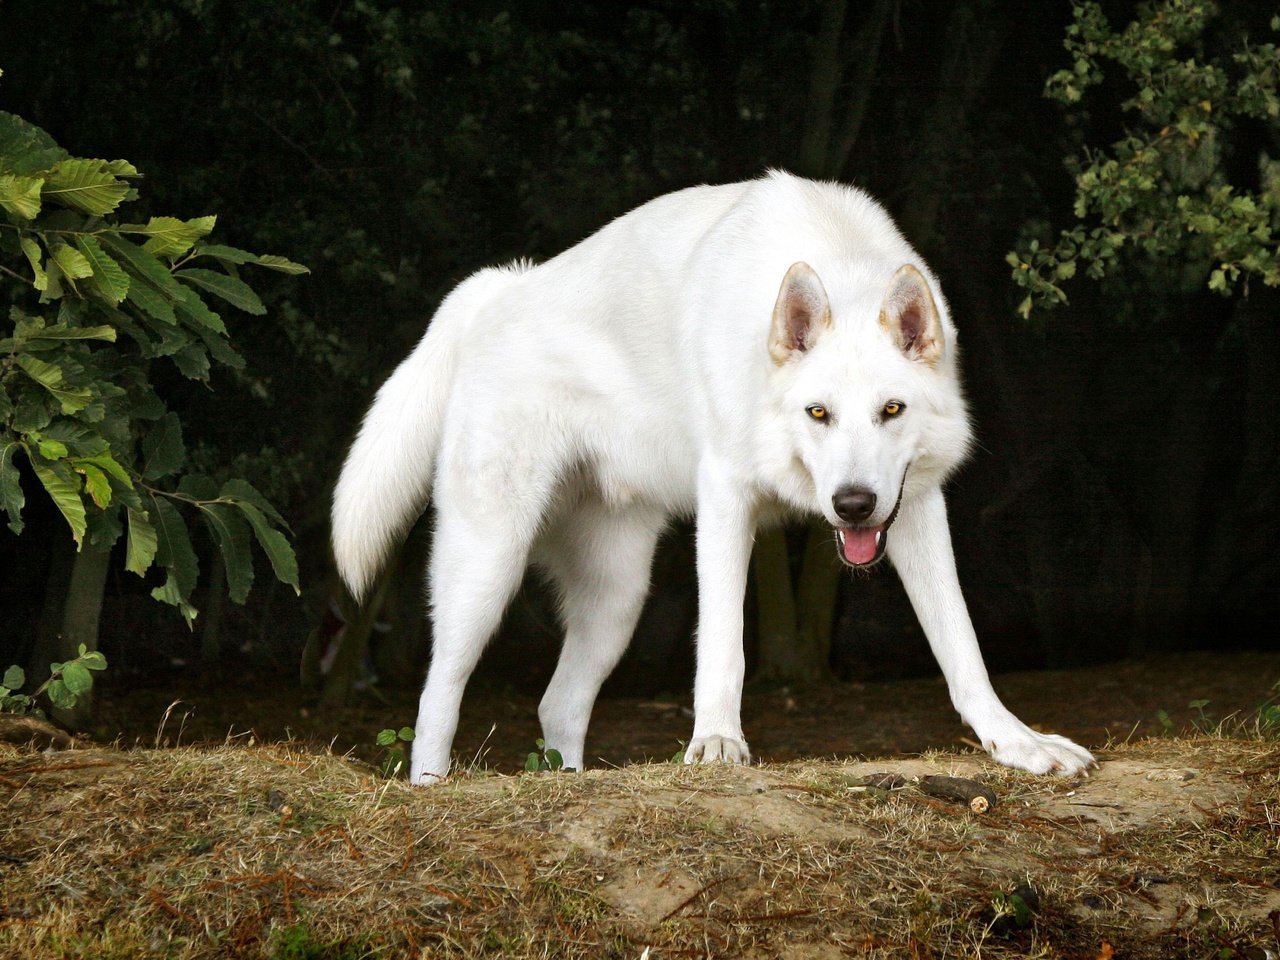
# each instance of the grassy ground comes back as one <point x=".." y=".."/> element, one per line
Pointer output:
<point x="1171" y="849"/>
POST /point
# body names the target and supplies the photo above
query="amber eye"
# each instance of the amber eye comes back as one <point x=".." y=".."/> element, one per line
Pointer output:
<point x="894" y="407"/>
<point x="817" y="411"/>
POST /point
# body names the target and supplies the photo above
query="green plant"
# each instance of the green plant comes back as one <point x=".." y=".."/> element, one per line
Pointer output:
<point x="1161" y="193"/>
<point x="66" y="683"/>
<point x="1202" y="721"/>
<point x="1014" y="910"/>
<point x="544" y="760"/>
<point x="393" y="744"/>
<point x="1269" y="713"/>
<point x="95" y="304"/>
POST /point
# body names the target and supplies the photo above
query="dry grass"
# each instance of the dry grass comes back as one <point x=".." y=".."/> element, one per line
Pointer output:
<point x="1172" y="849"/>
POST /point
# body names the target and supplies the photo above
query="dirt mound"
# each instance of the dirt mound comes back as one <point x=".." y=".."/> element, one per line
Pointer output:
<point x="1171" y="849"/>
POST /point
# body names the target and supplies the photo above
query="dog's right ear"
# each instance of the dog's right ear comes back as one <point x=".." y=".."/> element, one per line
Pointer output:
<point x="801" y="312"/>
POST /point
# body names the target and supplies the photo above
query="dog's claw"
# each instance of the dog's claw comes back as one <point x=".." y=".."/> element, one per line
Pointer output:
<point x="1021" y="747"/>
<point x="716" y="749"/>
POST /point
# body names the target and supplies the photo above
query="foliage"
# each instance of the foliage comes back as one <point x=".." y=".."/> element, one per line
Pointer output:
<point x="543" y="760"/>
<point x="1269" y="714"/>
<point x="393" y="744"/>
<point x="99" y="304"/>
<point x="1163" y="189"/>
<point x="67" y="682"/>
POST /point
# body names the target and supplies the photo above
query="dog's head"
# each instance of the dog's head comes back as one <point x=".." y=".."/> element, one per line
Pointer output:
<point x="870" y="394"/>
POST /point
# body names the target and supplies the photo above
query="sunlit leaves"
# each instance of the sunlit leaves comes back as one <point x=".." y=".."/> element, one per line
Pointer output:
<point x="20" y="196"/>
<point x="140" y="548"/>
<point x="63" y="489"/>
<point x="89" y="186"/>
<point x="77" y="408"/>
<point x="1160" y="193"/>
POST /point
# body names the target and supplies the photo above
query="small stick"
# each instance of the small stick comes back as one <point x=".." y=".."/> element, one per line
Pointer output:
<point x="980" y="798"/>
<point x="884" y="781"/>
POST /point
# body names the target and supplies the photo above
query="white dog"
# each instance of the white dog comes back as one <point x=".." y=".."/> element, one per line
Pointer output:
<point x="737" y="353"/>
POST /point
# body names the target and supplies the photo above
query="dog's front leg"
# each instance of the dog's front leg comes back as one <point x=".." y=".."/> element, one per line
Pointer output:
<point x="920" y="548"/>
<point x="725" y="533"/>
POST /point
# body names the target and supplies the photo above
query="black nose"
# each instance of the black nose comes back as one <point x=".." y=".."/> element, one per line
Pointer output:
<point x="853" y="504"/>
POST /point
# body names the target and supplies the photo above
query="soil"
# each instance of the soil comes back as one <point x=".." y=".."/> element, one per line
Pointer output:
<point x="1171" y="849"/>
<point x="1095" y="706"/>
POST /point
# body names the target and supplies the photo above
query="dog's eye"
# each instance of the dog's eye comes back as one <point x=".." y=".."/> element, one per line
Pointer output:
<point x="894" y="407"/>
<point x="817" y="411"/>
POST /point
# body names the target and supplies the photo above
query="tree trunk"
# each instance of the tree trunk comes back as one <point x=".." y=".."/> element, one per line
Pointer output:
<point x="775" y="608"/>
<point x="354" y="644"/>
<point x="215" y="604"/>
<point x="795" y="620"/>
<point x="818" y="594"/>
<point x="81" y="612"/>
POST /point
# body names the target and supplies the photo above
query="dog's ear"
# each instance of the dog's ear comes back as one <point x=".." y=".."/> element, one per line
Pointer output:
<point x="911" y="316"/>
<point x="801" y="312"/>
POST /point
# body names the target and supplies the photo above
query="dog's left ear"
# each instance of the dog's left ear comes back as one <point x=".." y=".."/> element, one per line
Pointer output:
<point x="911" y="316"/>
<point x="801" y="312"/>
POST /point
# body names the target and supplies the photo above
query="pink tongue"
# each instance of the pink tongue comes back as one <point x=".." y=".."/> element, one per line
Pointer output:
<point x="860" y="544"/>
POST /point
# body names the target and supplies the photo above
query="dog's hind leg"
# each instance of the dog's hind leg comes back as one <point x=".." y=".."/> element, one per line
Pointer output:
<point x="490" y="498"/>
<point x="599" y="561"/>
<point x="474" y="571"/>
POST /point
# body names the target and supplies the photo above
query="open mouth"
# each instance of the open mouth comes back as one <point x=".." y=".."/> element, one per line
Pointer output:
<point x="860" y="547"/>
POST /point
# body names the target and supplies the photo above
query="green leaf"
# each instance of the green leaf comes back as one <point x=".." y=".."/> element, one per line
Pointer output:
<point x="92" y="659"/>
<point x="46" y="338"/>
<point x="244" y="490"/>
<point x="554" y="760"/>
<point x="162" y="448"/>
<point x="96" y="485"/>
<point x="232" y="536"/>
<point x="20" y="196"/>
<point x="406" y="734"/>
<point x="14" y="678"/>
<point x="25" y="149"/>
<point x="169" y="236"/>
<point x="111" y="280"/>
<point x="141" y="548"/>
<point x="532" y="763"/>
<point x="50" y="449"/>
<point x="193" y="361"/>
<point x="385" y="737"/>
<point x="62" y="487"/>
<point x="80" y="439"/>
<point x="235" y="292"/>
<point x="229" y="254"/>
<point x="32" y="251"/>
<point x="239" y="257"/>
<point x="51" y="377"/>
<point x="85" y="185"/>
<point x="174" y="552"/>
<point x="274" y="545"/>
<point x="60" y="696"/>
<point x="146" y="299"/>
<point x="77" y="677"/>
<point x="107" y="464"/>
<point x="71" y="261"/>
<point x="11" y="498"/>
<point x="196" y="311"/>
<point x="141" y="264"/>
<point x="280" y="264"/>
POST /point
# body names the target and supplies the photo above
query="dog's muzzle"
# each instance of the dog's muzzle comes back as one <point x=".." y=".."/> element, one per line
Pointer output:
<point x="863" y="546"/>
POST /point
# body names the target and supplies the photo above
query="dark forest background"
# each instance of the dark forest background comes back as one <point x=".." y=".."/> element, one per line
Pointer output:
<point x="1123" y="499"/>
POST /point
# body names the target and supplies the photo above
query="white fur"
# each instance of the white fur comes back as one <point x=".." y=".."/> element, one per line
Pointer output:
<point x="560" y="414"/>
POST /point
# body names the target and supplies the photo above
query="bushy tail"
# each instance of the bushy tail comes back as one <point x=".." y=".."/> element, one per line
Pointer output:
<point x="386" y="479"/>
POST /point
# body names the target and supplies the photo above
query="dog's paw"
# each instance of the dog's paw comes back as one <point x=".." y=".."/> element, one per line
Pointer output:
<point x="716" y="750"/>
<point x="1023" y="748"/>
